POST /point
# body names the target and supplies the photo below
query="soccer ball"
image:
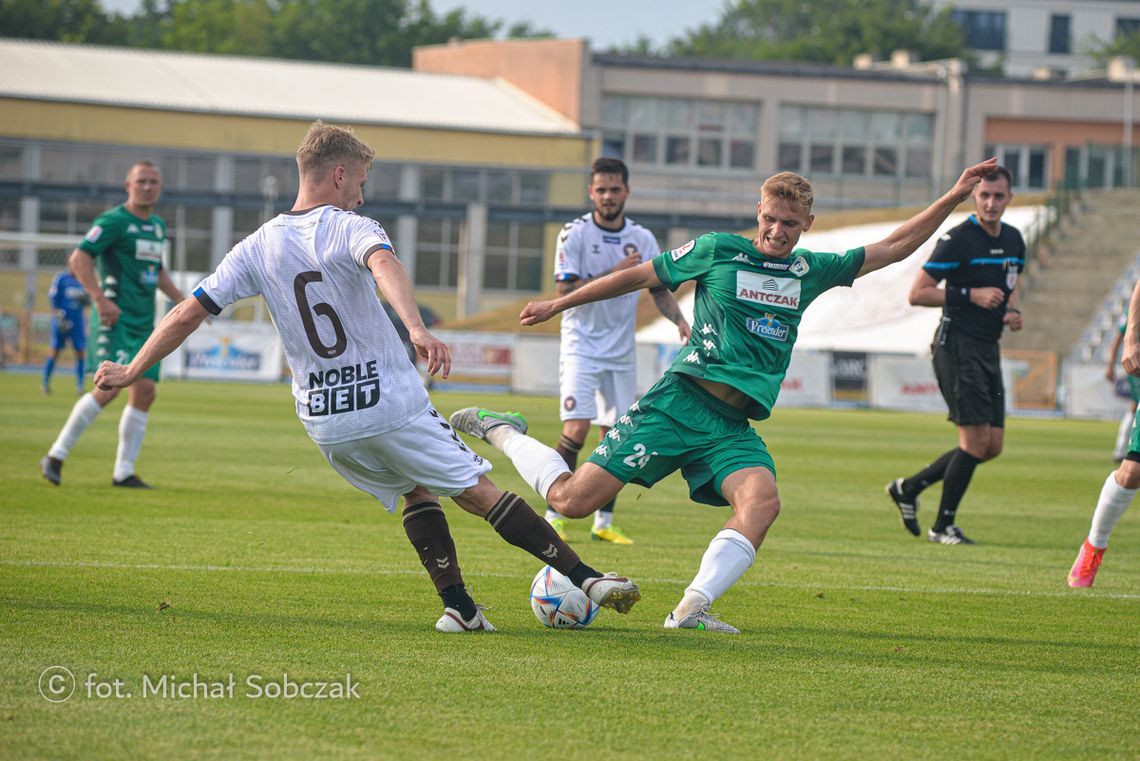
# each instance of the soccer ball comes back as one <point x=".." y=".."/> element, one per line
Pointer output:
<point x="559" y="604"/>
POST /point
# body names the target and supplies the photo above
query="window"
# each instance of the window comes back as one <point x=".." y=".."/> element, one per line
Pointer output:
<point x="514" y="257"/>
<point x="383" y="183"/>
<point x="11" y="162"/>
<point x="1029" y="164"/>
<point x="1127" y="26"/>
<point x="680" y="132"/>
<point x="437" y="253"/>
<point x="1060" y="36"/>
<point x="855" y="142"/>
<point x="983" y="30"/>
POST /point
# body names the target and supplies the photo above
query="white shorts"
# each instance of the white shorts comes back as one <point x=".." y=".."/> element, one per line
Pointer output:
<point x="595" y="391"/>
<point x="424" y="452"/>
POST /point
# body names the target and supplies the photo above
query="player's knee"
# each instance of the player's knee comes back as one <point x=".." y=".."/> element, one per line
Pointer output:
<point x="1128" y="474"/>
<point x="562" y="498"/>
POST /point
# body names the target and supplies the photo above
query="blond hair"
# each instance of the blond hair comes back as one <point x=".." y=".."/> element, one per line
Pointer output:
<point x="326" y="145"/>
<point x="789" y="186"/>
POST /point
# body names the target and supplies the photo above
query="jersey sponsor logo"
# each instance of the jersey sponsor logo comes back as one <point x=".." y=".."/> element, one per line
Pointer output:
<point x="223" y="356"/>
<point x="148" y="228"/>
<point x="350" y="388"/>
<point x="148" y="250"/>
<point x="799" y="267"/>
<point x="149" y="276"/>
<point x="773" y="291"/>
<point x="677" y="253"/>
<point x="614" y="239"/>
<point x="767" y="327"/>
<point x="93" y="234"/>
<point x="772" y="265"/>
<point x="997" y="250"/>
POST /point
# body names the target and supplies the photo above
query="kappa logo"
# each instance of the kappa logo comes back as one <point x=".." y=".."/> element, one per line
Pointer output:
<point x="614" y="434"/>
<point x="602" y="450"/>
<point x="744" y="258"/>
<point x="799" y="267"/>
<point x="677" y="253"/>
<point x="632" y="408"/>
<point x="626" y="419"/>
<point x="132" y="229"/>
<point x="710" y="347"/>
<point x="771" y="291"/>
<point x="693" y="358"/>
<point x="550" y="552"/>
<point x="708" y="329"/>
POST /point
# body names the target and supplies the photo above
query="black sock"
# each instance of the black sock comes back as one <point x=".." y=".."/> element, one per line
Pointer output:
<point x="958" y="475"/>
<point x="579" y="573"/>
<point x="426" y="527"/>
<point x="569" y="449"/>
<point x="456" y="597"/>
<point x="932" y="473"/>
<point x="519" y="525"/>
<point x="608" y="507"/>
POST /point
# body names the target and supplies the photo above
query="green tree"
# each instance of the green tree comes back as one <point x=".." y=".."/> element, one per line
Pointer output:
<point x="63" y="20"/>
<point x="1121" y="45"/>
<point x="822" y="31"/>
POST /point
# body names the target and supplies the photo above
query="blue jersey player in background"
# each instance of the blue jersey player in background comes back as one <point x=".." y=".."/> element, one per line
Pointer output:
<point x="67" y="302"/>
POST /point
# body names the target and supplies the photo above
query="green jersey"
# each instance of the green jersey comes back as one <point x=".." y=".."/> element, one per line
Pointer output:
<point x="128" y="257"/>
<point x="748" y="309"/>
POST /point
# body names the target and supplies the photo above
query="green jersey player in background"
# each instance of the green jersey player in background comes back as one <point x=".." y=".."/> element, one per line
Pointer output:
<point x="750" y="297"/>
<point x="119" y="263"/>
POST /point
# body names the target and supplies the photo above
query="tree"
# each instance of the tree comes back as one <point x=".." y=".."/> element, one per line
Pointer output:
<point x="823" y="31"/>
<point x="63" y="20"/>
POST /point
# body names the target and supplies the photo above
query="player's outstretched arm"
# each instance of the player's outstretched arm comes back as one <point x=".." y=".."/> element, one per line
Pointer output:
<point x="913" y="233"/>
<point x="669" y="308"/>
<point x="614" y="284"/>
<point x="393" y="281"/>
<point x="1131" y="359"/>
<point x="178" y="323"/>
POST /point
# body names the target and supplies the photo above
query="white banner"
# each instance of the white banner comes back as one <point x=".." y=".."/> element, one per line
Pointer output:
<point x="228" y="350"/>
<point x="536" y="365"/>
<point x="808" y="382"/>
<point x="904" y="383"/>
<point x="479" y="358"/>
<point x="1089" y="395"/>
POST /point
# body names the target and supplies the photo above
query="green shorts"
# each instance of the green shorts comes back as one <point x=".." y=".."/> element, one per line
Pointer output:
<point x="118" y="345"/>
<point x="677" y="424"/>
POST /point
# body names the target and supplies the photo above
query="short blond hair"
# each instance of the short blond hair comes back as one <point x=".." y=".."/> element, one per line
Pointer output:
<point x="791" y="187"/>
<point x="327" y="145"/>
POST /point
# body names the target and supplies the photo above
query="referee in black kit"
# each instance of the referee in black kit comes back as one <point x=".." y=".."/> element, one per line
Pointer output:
<point x="980" y="260"/>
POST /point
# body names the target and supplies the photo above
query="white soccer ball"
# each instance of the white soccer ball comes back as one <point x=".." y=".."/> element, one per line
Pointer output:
<point x="559" y="604"/>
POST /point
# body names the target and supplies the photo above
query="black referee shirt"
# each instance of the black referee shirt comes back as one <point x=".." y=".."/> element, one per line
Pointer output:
<point x="969" y="257"/>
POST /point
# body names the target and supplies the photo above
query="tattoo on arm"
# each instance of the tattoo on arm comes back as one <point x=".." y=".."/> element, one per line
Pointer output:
<point x="666" y="304"/>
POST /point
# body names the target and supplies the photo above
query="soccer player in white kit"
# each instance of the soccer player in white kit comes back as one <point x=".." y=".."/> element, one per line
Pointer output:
<point x="597" y="364"/>
<point x="356" y="392"/>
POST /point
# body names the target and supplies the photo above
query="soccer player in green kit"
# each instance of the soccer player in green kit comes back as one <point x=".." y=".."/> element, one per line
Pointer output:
<point x="750" y="297"/>
<point x="119" y="263"/>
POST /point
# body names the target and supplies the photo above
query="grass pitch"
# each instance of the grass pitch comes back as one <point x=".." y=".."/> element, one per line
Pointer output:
<point x="253" y="558"/>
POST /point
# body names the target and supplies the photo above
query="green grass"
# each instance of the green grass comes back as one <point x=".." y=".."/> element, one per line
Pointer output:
<point x="859" y="640"/>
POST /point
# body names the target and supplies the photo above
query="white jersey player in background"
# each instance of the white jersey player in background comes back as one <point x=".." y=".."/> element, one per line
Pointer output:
<point x="357" y="393"/>
<point x="597" y="365"/>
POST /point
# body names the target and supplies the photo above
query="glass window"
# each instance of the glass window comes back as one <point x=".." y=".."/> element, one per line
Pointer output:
<point x="530" y="237"/>
<point x="464" y="185"/>
<point x="678" y="114"/>
<point x="245" y="222"/>
<point x="791" y="121"/>
<point x="9" y="214"/>
<point x="247" y="176"/>
<point x="496" y="271"/>
<point x="1037" y="165"/>
<point x="383" y="183"/>
<point x="886" y="162"/>
<point x="1125" y="26"/>
<point x="432" y="181"/>
<point x="710" y="116"/>
<point x="820" y="122"/>
<point x="885" y="126"/>
<point x="677" y="150"/>
<point x="788" y="157"/>
<point x="498" y="235"/>
<point x="437" y="253"/>
<point x="64" y="165"/>
<point x="918" y="161"/>
<point x="854" y="159"/>
<point x="741" y="154"/>
<point x="500" y="186"/>
<point x="918" y="128"/>
<point x="742" y="119"/>
<point x="11" y="162"/>
<point x="645" y="149"/>
<point x="983" y="30"/>
<point x="1060" y="36"/>
<point x="822" y="158"/>
<point x="614" y="110"/>
<point x="853" y="125"/>
<point x="198" y="172"/>
<point x="532" y="189"/>
<point x="613" y="145"/>
<point x="644" y="113"/>
<point x="709" y="150"/>
<point x="528" y="274"/>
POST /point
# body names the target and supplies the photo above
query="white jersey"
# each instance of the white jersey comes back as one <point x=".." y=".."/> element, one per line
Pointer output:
<point x="351" y="375"/>
<point x="604" y="329"/>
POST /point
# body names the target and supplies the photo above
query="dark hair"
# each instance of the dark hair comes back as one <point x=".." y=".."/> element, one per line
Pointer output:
<point x="608" y="165"/>
<point x="997" y="173"/>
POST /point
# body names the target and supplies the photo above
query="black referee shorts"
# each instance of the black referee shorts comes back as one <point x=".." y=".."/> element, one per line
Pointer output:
<point x="969" y="376"/>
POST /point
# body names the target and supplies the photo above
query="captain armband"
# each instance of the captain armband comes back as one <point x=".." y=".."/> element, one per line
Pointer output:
<point x="957" y="297"/>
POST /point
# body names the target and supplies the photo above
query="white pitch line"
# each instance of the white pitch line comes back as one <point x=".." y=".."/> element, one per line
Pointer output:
<point x="818" y="586"/>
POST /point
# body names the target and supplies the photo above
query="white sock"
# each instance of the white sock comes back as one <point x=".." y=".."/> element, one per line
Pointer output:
<point x="132" y="428"/>
<point x="729" y="555"/>
<point x="82" y="415"/>
<point x="1114" y="500"/>
<point x="1123" y="436"/>
<point x="603" y="520"/>
<point x="552" y="515"/>
<point x="539" y="465"/>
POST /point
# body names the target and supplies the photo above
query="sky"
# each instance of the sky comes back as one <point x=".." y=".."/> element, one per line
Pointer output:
<point x="605" y="22"/>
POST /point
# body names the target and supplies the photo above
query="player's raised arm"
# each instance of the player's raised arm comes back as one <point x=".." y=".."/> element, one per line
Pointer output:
<point x="178" y="323"/>
<point x="911" y="234"/>
<point x="614" y="284"/>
